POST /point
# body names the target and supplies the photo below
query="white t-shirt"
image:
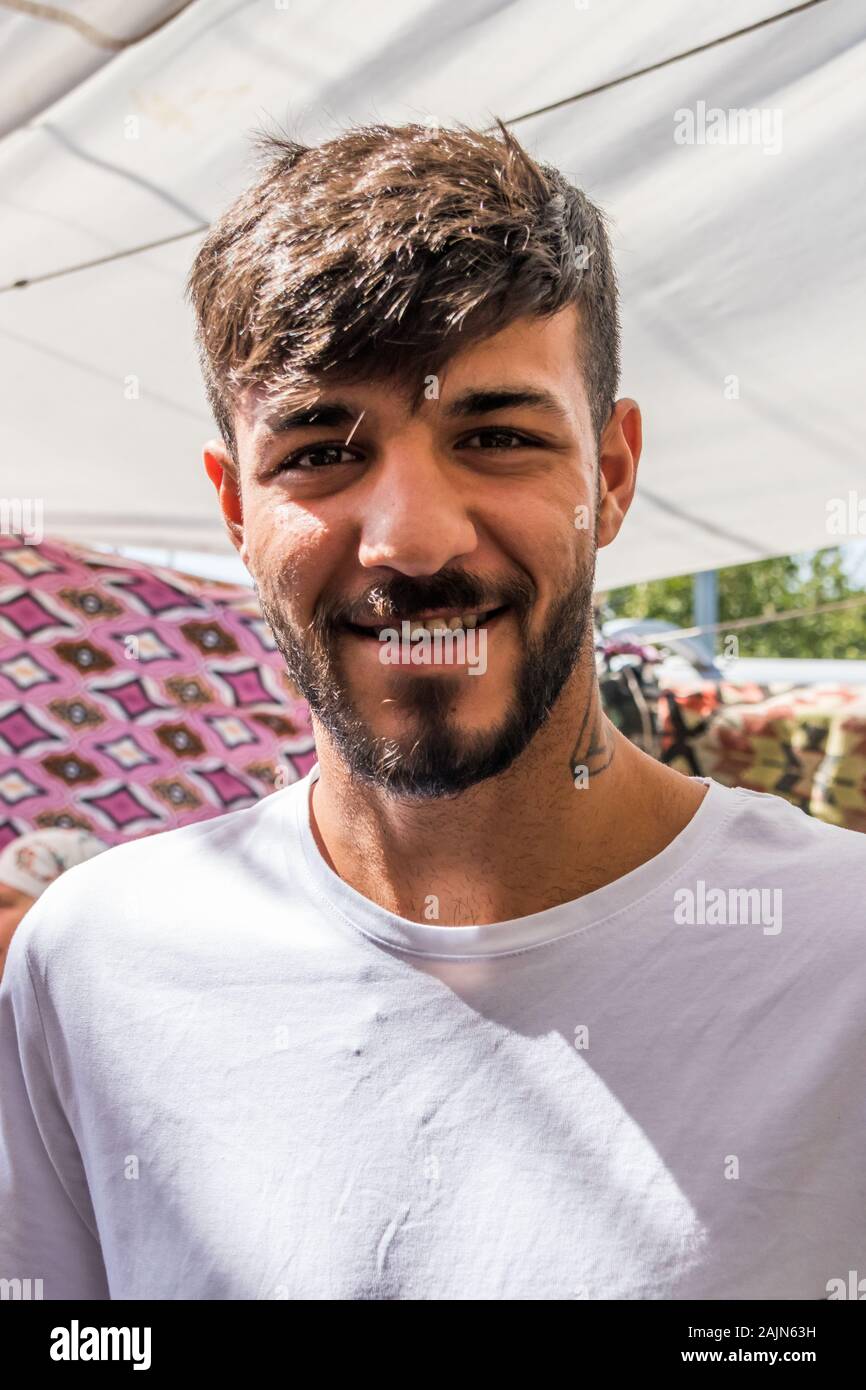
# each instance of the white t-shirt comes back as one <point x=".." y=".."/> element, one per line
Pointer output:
<point x="228" y="1075"/>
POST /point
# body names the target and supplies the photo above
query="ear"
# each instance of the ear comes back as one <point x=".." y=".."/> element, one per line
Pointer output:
<point x="220" y="468"/>
<point x="618" y="456"/>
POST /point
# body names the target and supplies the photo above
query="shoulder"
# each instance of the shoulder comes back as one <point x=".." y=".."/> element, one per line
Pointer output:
<point x="134" y="894"/>
<point x="779" y="830"/>
<point x="816" y="870"/>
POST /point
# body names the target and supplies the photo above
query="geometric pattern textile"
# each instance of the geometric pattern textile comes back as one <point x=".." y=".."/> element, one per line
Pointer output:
<point x="805" y="743"/>
<point x="134" y="698"/>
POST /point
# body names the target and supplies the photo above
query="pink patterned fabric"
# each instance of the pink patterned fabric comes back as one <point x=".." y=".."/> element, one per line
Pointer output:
<point x="134" y="699"/>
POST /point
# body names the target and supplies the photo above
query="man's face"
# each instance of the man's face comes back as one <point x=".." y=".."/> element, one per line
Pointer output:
<point x="476" y="507"/>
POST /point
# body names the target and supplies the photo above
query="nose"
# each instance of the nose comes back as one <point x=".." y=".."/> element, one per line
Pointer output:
<point x="414" y="514"/>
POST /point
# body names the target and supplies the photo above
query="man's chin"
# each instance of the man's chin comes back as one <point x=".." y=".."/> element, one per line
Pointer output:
<point x="409" y="778"/>
<point x="432" y="763"/>
<point x="438" y="734"/>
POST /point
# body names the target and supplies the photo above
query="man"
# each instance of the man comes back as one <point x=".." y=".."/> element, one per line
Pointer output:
<point x="491" y="1005"/>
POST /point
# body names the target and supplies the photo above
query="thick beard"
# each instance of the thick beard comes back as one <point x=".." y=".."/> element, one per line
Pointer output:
<point x="439" y="761"/>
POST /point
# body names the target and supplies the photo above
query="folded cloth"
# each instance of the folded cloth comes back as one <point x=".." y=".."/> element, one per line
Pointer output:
<point x="34" y="860"/>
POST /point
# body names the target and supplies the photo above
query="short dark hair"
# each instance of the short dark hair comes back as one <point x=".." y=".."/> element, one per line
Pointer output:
<point x="384" y="251"/>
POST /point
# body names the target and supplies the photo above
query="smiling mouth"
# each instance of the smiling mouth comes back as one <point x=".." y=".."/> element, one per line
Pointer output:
<point x="444" y="621"/>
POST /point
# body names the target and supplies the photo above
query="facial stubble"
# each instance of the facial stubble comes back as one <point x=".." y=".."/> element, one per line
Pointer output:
<point x="436" y="759"/>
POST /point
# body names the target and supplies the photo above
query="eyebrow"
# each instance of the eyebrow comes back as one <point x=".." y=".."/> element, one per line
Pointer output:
<point x="329" y="414"/>
<point x="504" y="398"/>
<point x="335" y="414"/>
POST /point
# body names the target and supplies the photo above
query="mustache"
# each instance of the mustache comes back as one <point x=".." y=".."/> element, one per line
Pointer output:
<point x="404" y="595"/>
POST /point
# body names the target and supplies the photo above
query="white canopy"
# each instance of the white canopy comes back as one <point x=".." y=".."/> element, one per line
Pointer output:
<point x="740" y="263"/>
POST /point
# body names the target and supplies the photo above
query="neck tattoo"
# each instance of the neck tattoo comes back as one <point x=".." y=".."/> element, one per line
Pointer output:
<point x="594" y="750"/>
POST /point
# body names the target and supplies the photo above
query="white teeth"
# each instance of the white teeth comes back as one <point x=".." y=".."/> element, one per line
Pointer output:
<point x="419" y="626"/>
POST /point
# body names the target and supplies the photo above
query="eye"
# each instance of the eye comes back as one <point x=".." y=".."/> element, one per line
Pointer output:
<point x="317" y="456"/>
<point x="496" y="438"/>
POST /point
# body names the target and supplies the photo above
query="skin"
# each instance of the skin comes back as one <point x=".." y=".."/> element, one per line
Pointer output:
<point x="13" y="905"/>
<point x="419" y="490"/>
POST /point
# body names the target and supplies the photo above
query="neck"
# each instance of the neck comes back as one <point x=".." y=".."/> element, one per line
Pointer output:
<point x="578" y="809"/>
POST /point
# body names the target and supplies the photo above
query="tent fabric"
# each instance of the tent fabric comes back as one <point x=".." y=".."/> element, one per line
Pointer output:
<point x="134" y="699"/>
<point x="60" y="44"/>
<point x="739" y="262"/>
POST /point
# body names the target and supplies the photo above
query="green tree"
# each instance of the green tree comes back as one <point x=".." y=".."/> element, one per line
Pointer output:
<point x="761" y="589"/>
